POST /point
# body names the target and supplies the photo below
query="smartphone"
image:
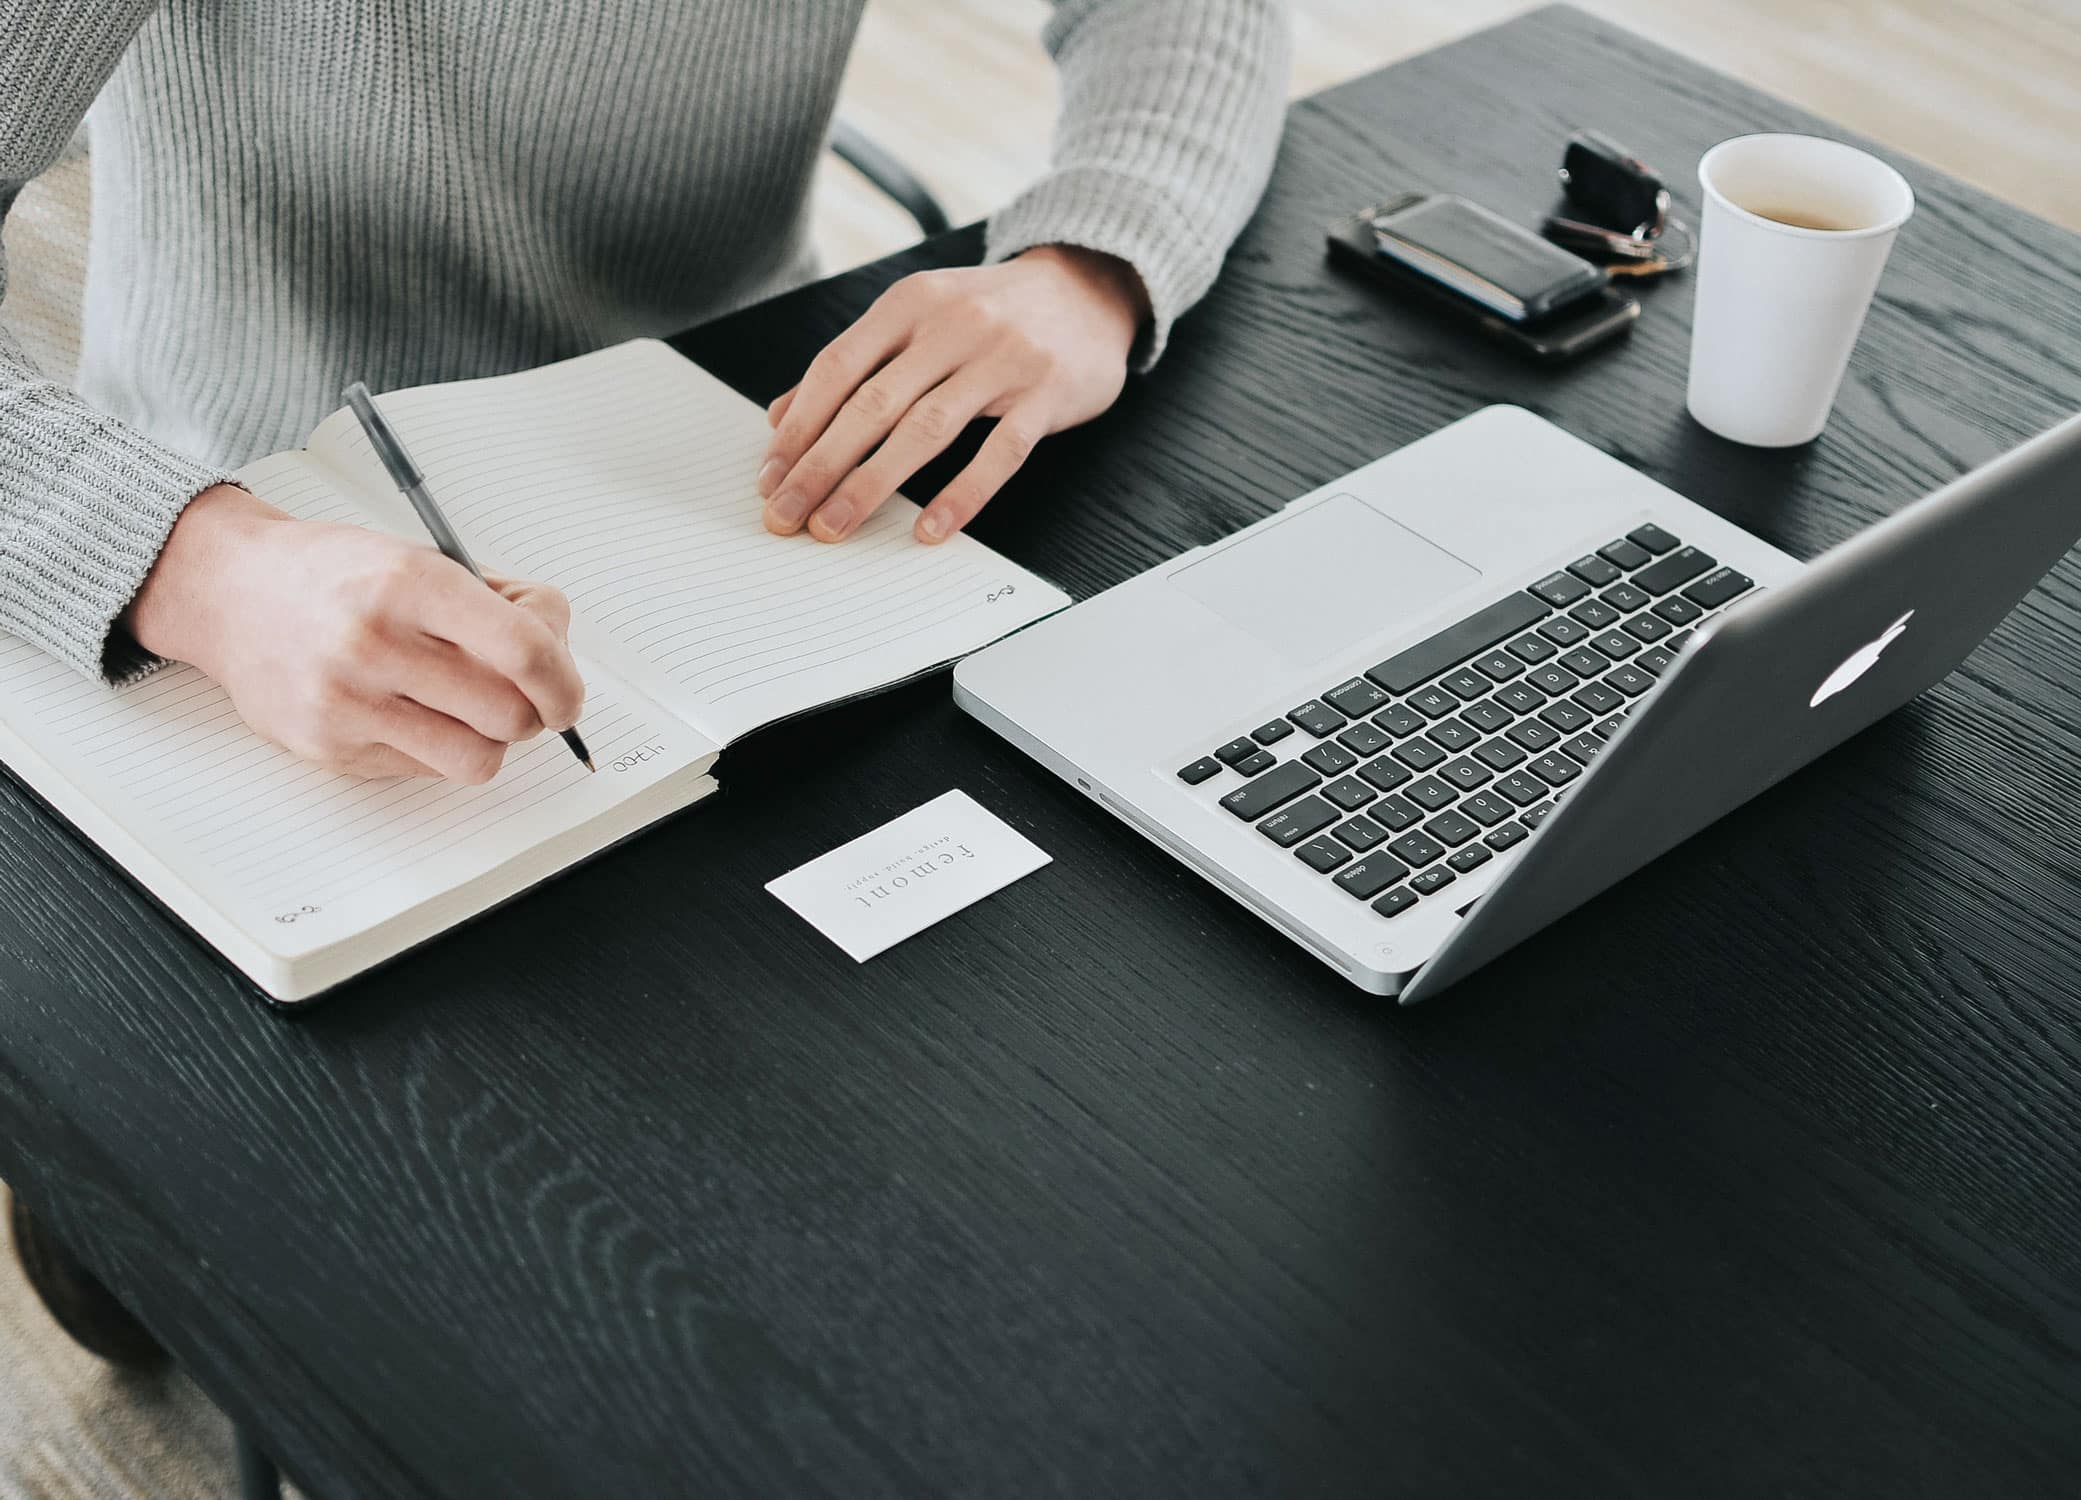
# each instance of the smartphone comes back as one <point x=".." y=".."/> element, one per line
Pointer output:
<point x="1521" y="296"/>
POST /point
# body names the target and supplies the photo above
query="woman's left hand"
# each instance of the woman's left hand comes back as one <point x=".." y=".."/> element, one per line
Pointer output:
<point x="1039" y="342"/>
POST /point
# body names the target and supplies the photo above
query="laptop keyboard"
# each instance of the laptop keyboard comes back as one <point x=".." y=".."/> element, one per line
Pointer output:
<point x="1395" y="783"/>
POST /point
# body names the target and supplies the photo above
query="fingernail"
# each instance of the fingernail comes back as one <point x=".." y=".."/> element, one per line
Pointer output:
<point x="932" y="525"/>
<point x="831" y="522"/>
<point x="788" y="508"/>
<point x="769" y="475"/>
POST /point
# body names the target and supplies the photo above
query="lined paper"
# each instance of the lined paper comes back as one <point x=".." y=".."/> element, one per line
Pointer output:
<point x="301" y="855"/>
<point x="626" y="478"/>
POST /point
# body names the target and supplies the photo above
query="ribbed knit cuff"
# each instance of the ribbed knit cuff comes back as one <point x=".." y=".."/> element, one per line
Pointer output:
<point x="105" y="499"/>
<point x="1096" y="208"/>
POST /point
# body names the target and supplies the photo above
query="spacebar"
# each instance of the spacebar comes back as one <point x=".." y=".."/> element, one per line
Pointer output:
<point x="1455" y="643"/>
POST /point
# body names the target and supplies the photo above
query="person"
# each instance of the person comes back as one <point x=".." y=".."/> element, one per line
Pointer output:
<point x="290" y="197"/>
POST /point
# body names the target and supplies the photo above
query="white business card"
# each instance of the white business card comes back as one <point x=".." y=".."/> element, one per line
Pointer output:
<point x="895" y="882"/>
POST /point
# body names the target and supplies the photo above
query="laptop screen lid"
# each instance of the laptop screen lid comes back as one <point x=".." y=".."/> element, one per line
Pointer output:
<point x="1783" y="678"/>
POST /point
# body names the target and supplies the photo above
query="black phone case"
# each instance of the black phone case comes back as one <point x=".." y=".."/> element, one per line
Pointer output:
<point x="1554" y="339"/>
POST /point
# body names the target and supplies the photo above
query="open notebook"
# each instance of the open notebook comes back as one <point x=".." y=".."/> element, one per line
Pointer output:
<point x="624" y="477"/>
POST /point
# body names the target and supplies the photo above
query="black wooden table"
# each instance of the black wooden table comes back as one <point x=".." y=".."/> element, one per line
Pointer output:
<point x="1759" y="1175"/>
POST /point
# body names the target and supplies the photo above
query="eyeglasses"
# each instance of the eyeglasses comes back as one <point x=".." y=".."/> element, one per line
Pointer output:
<point x="1621" y="210"/>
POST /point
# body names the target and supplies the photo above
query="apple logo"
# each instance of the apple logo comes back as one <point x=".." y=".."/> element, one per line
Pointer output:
<point x="1860" y="661"/>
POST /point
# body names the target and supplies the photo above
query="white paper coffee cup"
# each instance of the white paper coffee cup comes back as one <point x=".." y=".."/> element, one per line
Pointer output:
<point x="1779" y="304"/>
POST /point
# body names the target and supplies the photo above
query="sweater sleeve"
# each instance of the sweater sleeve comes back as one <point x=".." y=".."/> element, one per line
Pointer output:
<point x="1170" y="116"/>
<point x="85" y="502"/>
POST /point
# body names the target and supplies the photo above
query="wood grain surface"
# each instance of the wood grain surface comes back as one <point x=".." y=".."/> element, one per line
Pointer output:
<point x="1760" y="1174"/>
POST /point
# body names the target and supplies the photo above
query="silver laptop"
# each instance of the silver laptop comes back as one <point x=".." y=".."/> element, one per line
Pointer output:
<point x="1429" y="708"/>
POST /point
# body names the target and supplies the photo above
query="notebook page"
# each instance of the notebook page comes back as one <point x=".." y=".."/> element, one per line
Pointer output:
<point x="626" y="478"/>
<point x="296" y="856"/>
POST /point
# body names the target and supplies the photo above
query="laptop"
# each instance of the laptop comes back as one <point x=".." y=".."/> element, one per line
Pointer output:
<point x="1427" y="709"/>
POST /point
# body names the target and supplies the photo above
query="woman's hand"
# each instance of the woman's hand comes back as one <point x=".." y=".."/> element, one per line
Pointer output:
<point x="355" y="649"/>
<point x="1039" y="342"/>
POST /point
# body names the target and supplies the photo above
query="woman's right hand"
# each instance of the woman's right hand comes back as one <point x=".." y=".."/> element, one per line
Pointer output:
<point x="353" y="648"/>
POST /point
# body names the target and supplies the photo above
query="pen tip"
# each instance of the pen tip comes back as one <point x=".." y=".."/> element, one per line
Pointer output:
<point x="590" y="766"/>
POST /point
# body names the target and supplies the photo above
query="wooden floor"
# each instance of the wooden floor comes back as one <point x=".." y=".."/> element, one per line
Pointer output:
<point x="1987" y="89"/>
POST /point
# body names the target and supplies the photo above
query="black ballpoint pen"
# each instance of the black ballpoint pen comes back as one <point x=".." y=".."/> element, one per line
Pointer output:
<point x="409" y="480"/>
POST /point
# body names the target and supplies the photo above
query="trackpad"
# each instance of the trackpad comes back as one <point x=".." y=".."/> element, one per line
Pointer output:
<point x="1328" y="577"/>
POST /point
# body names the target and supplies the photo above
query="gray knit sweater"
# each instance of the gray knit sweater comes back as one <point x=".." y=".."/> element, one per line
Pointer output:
<point x="292" y="194"/>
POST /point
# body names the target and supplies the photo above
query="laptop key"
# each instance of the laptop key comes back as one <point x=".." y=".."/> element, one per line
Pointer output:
<point x="1429" y="793"/>
<point x="1470" y="858"/>
<point x="1654" y="660"/>
<point x="1199" y="770"/>
<point x="1272" y="733"/>
<point x="1624" y="554"/>
<point x="1360" y="832"/>
<point x="1594" y="570"/>
<point x="1485" y="808"/>
<point x="1501" y="755"/>
<point x="1533" y="648"/>
<point x="1583" y="747"/>
<point x="1451" y="829"/>
<point x="1625" y="598"/>
<point x="1235" y="750"/>
<point x="1553" y="679"/>
<point x="1466" y="773"/>
<point x="1532" y="817"/>
<point x="1599" y="699"/>
<point x="1559" y="589"/>
<point x="1432" y="702"/>
<point x="1564" y="716"/>
<point x="1372" y="875"/>
<point x="1648" y="627"/>
<point x="1453" y="734"/>
<point x="1323" y="855"/>
<point x="1419" y="754"/>
<point x="1617" y="644"/>
<point x="1269" y="790"/>
<point x="1416" y="848"/>
<point x="1330" y="758"/>
<point x="1531" y="734"/>
<point x="1363" y="738"/>
<point x="1394" y="813"/>
<point x="1435" y="879"/>
<point x="1500" y="665"/>
<point x="1349" y="793"/>
<point x="1385" y="772"/>
<point x="1261" y="760"/>
<point x="1507" y="836"/>
<point x="1630" y="680"/>
<point x="1456" y="643"/>
<point x="1674" y="571"/>
<point x="1584" y="662"/>
<point x="1317" y="717"/>
<point x="1354" y="699"/>
<point x="1522" y="789"/>
<point x="1606" y="728"/>
<point x="1488" y="715"/>
<point x="1466" y="684"/>
<point x="1399" y="720"/>
<point x="1289" y="825"/>
<point x="1521" y="697"/>
<point x="1652" y="537"/>
<point x="1556" y="769"/>
<point x="1563" y="631"/>
<point x="1678" y="610"/>
<point x="1395" y="902"/>
<point x="1717" y="587"/>
<point x="1594" y="614"/>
